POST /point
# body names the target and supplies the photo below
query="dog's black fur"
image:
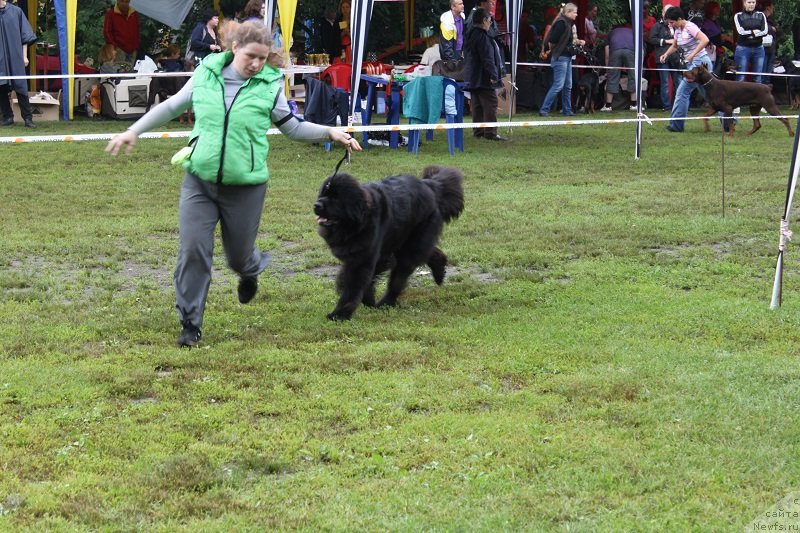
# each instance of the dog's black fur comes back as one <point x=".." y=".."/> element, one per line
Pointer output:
<point x="724" y="96"/>
<point x="393" y="224"/>
<point x="588" y="92"/>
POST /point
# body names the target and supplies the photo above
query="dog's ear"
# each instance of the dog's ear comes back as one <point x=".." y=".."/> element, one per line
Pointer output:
<point x="325" y="186"/>
<point x="430" y="170"/>
<point x="358" y="206"/>
<point x="353" y="199"/>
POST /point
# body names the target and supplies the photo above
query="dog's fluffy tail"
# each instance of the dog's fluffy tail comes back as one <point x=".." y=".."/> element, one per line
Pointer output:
<point x="447" y="184"/>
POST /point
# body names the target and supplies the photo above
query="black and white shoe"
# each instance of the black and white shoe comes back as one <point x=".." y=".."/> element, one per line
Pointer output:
<point x="190" y="335"/>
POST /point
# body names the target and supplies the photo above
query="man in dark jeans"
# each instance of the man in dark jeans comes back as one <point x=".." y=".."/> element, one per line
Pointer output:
<point x="15" y="36"/>
<point x="482" y="73"/>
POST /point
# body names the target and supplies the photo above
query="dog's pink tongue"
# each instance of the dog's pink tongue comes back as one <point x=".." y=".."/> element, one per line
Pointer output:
<point x="321" y="220"/>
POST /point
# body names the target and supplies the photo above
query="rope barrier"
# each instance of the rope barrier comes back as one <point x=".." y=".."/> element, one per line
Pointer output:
<point x="647" y="69"/>
<point x="300" y="72"/>
<point x="378" y="127"/>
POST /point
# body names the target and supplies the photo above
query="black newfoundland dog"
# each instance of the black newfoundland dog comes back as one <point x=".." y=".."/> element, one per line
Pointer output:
<point x="393" y="224"/>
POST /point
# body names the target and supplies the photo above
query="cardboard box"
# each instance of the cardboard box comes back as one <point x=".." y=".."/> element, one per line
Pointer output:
<point x="45" y="107"/>
<point x="503" y="96"/>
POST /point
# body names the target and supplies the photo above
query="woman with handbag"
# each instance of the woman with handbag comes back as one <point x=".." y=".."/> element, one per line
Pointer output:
<point x="561" y="47"/>
<point x="691" y="42"/>
<point x="203" y="40"/>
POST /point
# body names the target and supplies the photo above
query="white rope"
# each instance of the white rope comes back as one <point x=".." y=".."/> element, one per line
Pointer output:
<point x="377" y="127"/>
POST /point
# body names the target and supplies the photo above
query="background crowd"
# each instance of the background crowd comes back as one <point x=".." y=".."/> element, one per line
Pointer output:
<point x="751" y="42"/>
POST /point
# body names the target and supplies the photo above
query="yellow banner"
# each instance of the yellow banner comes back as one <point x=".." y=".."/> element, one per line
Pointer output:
<point x="286" y="12"/>
<point x="72" y="15"/>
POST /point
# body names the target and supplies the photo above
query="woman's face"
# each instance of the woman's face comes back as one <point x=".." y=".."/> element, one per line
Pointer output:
<point x="680" y="23"/>
<point x="248" y="60"/>
<point x="571" y="15"/>
<point x="213" y="22"/>
<point x="749" y="5"/>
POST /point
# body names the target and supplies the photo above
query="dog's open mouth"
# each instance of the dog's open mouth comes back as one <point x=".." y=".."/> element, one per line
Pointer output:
<point x="322" y="221"/>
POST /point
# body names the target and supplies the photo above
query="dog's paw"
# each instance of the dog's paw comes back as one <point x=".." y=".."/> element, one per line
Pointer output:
<point x="339" y="316"/>
<point x="386" y="303"/>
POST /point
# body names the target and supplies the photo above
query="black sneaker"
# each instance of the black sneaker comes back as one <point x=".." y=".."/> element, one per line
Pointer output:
<point x="7" y="122"/>
<point x="248" y="285"/>
<point x="29" y="124"/>
<point x="190" y="335"/>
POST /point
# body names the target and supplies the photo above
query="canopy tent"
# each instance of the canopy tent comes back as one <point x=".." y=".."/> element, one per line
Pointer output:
<point x="360" y="15"/>
<point x="513" y="14"/>
<point x="785" y="232"/>
<point x="169" y="12"/>
<point x="637" y="20"/>
<point x="174" y="12"/>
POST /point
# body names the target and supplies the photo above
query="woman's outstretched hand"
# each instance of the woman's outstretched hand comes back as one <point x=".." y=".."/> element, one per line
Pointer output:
<point x="344" y="138"/>
<point x="128" y="138"/>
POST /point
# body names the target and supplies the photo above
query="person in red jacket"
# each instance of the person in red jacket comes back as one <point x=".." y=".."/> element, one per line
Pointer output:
<point x="121" y="28"/>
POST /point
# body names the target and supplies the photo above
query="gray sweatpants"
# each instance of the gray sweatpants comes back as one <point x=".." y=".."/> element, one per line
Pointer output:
<point x="202" y="205"/>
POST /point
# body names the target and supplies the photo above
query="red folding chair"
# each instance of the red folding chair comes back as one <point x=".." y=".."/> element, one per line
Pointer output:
<point x="338" y="76"/>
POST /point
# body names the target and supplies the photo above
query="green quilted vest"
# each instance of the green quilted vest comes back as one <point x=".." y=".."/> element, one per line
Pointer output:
<point x="231" y="147"/>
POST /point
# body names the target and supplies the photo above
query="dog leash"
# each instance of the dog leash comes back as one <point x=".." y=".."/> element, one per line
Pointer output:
<point x="345" y="159"/>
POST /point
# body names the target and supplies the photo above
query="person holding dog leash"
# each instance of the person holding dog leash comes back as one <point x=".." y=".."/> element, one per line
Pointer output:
<point x="237" y="96"/>
<point x="692" y="44"/>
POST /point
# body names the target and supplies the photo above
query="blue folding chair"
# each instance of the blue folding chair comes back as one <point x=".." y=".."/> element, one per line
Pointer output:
<point x="427" y="99"/>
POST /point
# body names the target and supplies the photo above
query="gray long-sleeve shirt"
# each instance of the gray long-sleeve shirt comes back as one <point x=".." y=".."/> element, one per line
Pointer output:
<point x="288" y="124"/>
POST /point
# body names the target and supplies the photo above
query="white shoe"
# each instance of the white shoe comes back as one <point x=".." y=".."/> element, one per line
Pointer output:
<point x="633" y="108"/>
<point x="764" y="111"/>
<point x="606" y="109"/>
<point x="737" y="111"/>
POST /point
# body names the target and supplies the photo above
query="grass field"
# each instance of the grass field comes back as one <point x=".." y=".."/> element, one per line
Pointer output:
<point x="601" y="357"/>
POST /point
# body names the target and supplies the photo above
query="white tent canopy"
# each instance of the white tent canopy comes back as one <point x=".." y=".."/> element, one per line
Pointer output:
<point x="169" y="12"/>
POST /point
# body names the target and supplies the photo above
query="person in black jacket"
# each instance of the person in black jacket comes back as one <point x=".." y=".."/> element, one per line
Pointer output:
<point x="751" y="27"/>
<point x="796" y="37"/>
<point x="204" y="39"/>
<point x="661" y="39"/>
<point x="330" y="36"/>
<point x="482" y="73"/>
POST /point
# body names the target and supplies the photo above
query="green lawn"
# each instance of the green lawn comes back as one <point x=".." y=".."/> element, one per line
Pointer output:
<point x="601" y="357"/>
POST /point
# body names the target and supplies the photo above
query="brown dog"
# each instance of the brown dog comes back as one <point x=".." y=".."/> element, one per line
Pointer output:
<point x="724" y="96"/>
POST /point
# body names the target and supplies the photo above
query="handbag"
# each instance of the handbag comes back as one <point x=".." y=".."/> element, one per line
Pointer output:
<point x="449" y="68"/>
<point x="677" y="61"/>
